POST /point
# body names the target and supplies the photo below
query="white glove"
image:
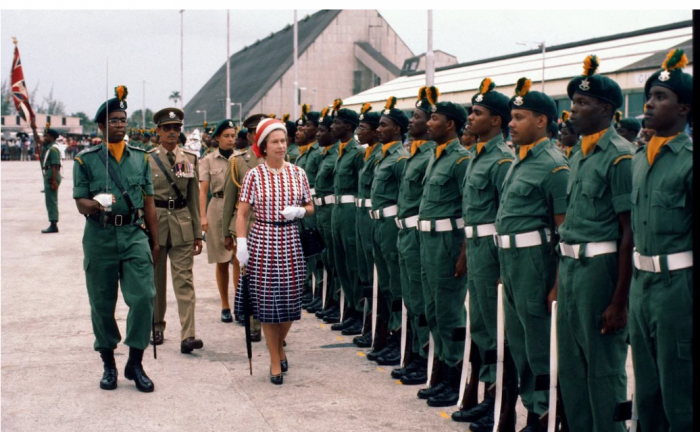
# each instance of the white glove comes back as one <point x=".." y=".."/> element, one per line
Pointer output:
<point x="242" y="250"/>
<point x="293" y="212"/>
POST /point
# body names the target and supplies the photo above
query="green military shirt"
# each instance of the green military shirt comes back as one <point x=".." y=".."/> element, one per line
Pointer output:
<point x="534" y="190"/>
<point x="571" y="152"/>
<point x="411" y="187"/>
<point x="301" y="160"/>
<point x="598" y="190"/>
<point x="483" y="183"/>
<point x="347" y="167"/>
<point x="366" y="174"/>
<point x="326" y="170"/>
<point x="313" y="163"/>
<point x="387" y="175"/>
<point x="442" y="184"/>
<point x="292" y="153"/>
<point x="240" y="162"/>
<point x="89" y="176"/>
<point x="662" y="199"/>
<point x="50" y="155"/>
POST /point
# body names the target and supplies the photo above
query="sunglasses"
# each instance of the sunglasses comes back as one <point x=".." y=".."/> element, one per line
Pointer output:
<point x="171" y="127"/>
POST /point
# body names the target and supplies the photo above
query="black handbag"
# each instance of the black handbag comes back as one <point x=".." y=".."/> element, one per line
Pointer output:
<point x="311" y="241"/>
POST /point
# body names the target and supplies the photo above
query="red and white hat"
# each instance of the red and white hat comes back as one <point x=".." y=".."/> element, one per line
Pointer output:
<point x="263" y="130"/>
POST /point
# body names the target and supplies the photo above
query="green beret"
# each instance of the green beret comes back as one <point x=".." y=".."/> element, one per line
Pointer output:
<point x="183" y="138"/>
<point x="368" y="116"/>
<point x="325" y="119"/>
<point x="291" y="127"/>
<point x="311" y="116"/>
<point x="117" y="103"/>
<point x="553" y="128"/>
<point x="168" y="116"/>
<point x="565" y="122"/>
<point x="223" y="125"/>
<point x="595" y="85"/>
<point x="671" y="76"/>
<point x="630" y="123"/>
<point x="243" y="133"/>
<point x="494" y="101"/>
<point x="427" y="97"/>
<point x="532" y="100"/>
<point x="348" y="115"/>
<point x="52" y="132"/>
<point x="396" y="115"/>
<point x="452" y="111"/>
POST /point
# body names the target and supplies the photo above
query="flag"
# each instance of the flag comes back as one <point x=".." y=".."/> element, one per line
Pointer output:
<point x="19" y="90"/>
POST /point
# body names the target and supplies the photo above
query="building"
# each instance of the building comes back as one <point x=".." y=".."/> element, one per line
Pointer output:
<point x="341" y="53"/>
<point x="628" y="58"/>
<point x="64" y="125"/>
<point x="417" y="63"/>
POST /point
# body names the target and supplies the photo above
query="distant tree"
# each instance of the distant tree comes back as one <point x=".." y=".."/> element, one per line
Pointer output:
<point x="89" y="126"/>
<point x="53" y="106"/>
<point x="175" y="96"/>
<point x="8" y="107"/>
<point x="136" y="119"/>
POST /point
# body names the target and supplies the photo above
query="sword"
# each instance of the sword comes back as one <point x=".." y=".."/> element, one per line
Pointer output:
<point x="553" y="372"/>
<point x="324" y="288"/>
<point x="375" y="293"/>
<point x="467" y="352"/>
<point x="500" y="348"/>
<point x="635" y="414"/>
<point x="342" y="302"/>
<point x="313" y="283"/>
<point x="404" y="330"/>
<point x="431" y="358"/>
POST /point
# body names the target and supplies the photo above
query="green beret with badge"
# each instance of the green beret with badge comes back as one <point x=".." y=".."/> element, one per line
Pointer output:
<point x="396" y="115"/>
<point x="565" y="121"/>
<point x="290" y="125"/>
<point x="344" y="114"/>
<point x="427" y="97"/>
<point x="325" y="119"/>
<point x="223" y="125"/>
<point x="52" y="132"/>
<point x="496" y="102"/>
<point x="366" y="116"/>
<point x="117" y="103"/>
<point x="590" y="83"/>
<point x="532" y="100"/>
<point x="671" y="76"/>
<point x="629" y="123"/>
<point x="308" y="116"/>
<point x="452" y="111"/>
<point x="168" y="116"/>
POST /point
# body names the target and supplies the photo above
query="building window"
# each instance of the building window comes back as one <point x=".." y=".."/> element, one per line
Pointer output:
<point x="377" y="81"/>
<point x="3" y="121"/>
<point x="17" y="120"/>
<point x="563" y="105"/>
<point x="635" y="104"/>
<point x="63" y="121"/>
<point x="356" y="81"/>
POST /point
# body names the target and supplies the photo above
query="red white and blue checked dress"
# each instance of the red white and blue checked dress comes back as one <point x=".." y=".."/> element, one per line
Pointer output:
<point x="276" y="268"/>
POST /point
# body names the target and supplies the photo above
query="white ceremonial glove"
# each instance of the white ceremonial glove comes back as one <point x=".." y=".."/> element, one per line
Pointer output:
<point x="242" y="250"/>
<point x="293" y="212"/>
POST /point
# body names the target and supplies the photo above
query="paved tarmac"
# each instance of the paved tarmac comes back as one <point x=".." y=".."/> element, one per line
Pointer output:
<point x="50" y="372"/>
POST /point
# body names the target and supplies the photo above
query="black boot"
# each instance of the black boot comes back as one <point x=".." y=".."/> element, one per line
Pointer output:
<point x="412" y="366"/>
<point x="348" y="322"/>
<point x="109" y="376"/>
<point x="134" y="371"/>
<point x="437" y="384"/>
<point x="390" y="346"/>
<point x="416" y="373"/>
<point x="315" y="306"/>
<point x="449" y="396"/>
<point x="357" y="327"/>
<point x="533" y="423"/>
<point x="477" y="412"/>
<point x="53" y="228"/>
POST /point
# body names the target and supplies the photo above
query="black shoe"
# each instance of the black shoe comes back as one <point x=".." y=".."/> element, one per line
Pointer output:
<point x="392" y="358"/>
<point x="284" y="364"/>
<point x="355" y="329"/>
<point x="375" y="354"/>
<point x="190" y="344"/>
<point x="477" y="412"/>
<point x="332" y="318"/>
<point x="158" y="338"/>
<point x="327" y="311"/>
<point x="315" y="306"/>
<point x="255" y="336"/>
<point x="136" y="373"/>
<point x="431" y="391"/>
<point x="53" y="228"/>
<point x="448" y="397"/>
<point x="226" y="316"/>
<point x="417" y="377"/>
<point x="533" y="423"/>
<point x="109" y="378"/>
<point x="276" y="379"/>
<point x="483" y="424"/>
<point x="349" y="322"/>
<point x="413" y="366"/>
<point x="364" y="341"/>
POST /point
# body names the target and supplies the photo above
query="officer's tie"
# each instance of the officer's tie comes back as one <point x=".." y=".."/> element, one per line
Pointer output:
<point x="171" y="158"/>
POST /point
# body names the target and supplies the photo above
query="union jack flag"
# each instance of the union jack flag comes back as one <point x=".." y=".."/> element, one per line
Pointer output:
<point x="19" y="90"/>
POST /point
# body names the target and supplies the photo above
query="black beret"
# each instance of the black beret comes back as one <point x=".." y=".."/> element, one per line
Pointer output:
<point x="494" y="101"/>
<point x="223" y="125"/>
<point x="630" y="123"/>
<point x="117" y="103"/>
<point x="532" y="100"/>
<point x="348" y="115"/>
<point x="243" y="133"/>
<point x="168" y="116"/>
<point x="291" y="127"/>
<point x="453" y="111"/>
<point x="427" y="97"/>
<point x="396" y="115"/>
<point x="553" y="128"/>
<point x="671" y="76"/>
<point x="325" y="119"/>
<point x="565" y="122"/>
<point x="52" y="132"/>
<point x="595" y="85"/>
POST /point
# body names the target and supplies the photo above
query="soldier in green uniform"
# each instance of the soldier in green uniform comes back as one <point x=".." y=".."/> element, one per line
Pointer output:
<point x="50" y="159"/>
<point x="324" y="202"/>
<point x="239" y="164"/>
<point x="569" y="138"/>
<point x="533" y="205"/>
<point x="292" y="147"/>
<point x="116" y="248"/>
<point x="628" y="128"/>
<point x="176" y="193"/>
<point x="443" y="264"/>
<point x="596" y="259"/>
<point x="350" y="161"/>
<point x="661" y="295"/>
<point x="483" y="187"/>
<point x="366" y="134"/>
<point x="388" y="170"/>
<point x="408" y="241"/>
<point x="468" y="139"/>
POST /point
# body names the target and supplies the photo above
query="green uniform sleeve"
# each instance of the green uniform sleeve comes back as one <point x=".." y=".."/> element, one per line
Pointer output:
<point x="148" y="187"/>
<point x="399" y="167"/>
<point x="556" y="188"/>
<point x="230" y="198"/>
<point x="460" y="170"/>
<point x="621" y="185"/>
<point x="499" y="174"/>
<point x="81" y="182"/>
<point x="54" y="157"/>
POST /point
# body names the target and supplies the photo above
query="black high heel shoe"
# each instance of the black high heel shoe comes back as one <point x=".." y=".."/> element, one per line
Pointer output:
<point x="276" y="379"/>
<point x="284" y="365"/>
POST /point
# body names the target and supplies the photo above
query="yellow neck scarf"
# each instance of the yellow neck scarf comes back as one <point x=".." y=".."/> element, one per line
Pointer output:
<point x="469" y="147"/>
<point x="369" y="150"/>
<point x="479" y="147"/>
<point x="303" y="149"/>
<point x="439" y="149"/>
<point x="589" y="141"/>
<point x="568" y="151"/>
<point x="415" y="144"/>
<point x="387" y="146"/>
<point x="654" y="147"/>
<point x="341" y="148"/>
<point x="117" y="150"/>
<point x="523" y="149"/>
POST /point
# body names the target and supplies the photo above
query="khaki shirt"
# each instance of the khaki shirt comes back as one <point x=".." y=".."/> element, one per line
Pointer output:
<point x="212" y="169"/>
<point x="183" y="225"/>
<point x="240" y="162"/>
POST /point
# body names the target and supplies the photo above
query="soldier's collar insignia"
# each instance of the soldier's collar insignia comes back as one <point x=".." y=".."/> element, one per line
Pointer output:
<point x="518" y="100"/>
<point x="171" y="114"/>
<point x="480" y="97"/>
<point x="585" y="85"/>
<point x="664" y="76"/>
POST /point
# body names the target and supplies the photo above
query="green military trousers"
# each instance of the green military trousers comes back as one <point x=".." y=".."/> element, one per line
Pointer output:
<point x="412" y="287"/>
<point x="592" y="375"/>
<point x="345" y="252"/>
<point x="528" y="275"/>
<point x="323" y="220"/>
<point x="365" y="257"/>
<point x="483" y="271"/>
<point x="51" y="197"/>
<point x="444" y="294"/>
<point x="386" y="258"/>
<point x="118" y="258"/>
<point x="661" y="334"/>
<point x="309" y="222"/>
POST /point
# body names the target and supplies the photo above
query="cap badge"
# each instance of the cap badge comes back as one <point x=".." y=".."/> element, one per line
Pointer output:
<point x="419" y="103"/>
<point x="585" y="85"/>
<point x="300" y="122"/>
<point x="518" y="100"/>
<point x="230" y="124"/>
<point x="433" y="108"/>
<point x="664" y="76"/>
<point x="362" y="116"/>
<point x="480" y="97"/>
<point x="121" y="104"/>
<point x="386" y="112"/>
<point x="171" y="114"/>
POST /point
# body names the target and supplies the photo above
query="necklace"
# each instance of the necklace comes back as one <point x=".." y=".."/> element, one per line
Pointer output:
<point x="275" y="170"/>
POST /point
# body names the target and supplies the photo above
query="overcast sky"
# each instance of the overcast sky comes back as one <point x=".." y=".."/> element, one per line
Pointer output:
<point x="68" y="50"/>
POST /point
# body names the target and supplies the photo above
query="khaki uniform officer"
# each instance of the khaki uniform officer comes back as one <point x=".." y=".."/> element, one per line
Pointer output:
<point x="441" y="239"/>
<point x="240" y="163"/>
<point x="661" y="295"/>
<point x="176" y="185"/>
<point x="533" y="204"/>
<point x="596" y="260"/>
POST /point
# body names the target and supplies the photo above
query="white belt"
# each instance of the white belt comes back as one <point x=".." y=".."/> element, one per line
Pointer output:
<point x="313" y="191"/>
<point x="321" y="201"/>
<point x="440" y="225"/>
<point x="592" y="249"/>
<point x="652" y="264"/>
<point x="409" y="222"/>
<point x="480" y="230"/>
<point x="383" y="212"/>
<point x="528" y="239"/>
<point x="344" y="199"/>
<point x="363" y="202"/>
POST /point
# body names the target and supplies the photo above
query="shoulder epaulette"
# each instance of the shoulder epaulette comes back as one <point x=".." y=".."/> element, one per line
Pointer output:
<point x="80" y="161"/>
<point x="401" y="157"/>
<point x="191" y="152"/>
<point x="151" y="150"/>
<point x="462" y="159"/>
<point x="89" y="150"/>
<point x="135" y="148"/>
<point x="502" y="161"/>
<point x="559" y="168"/>
<point x="621" y="158"/>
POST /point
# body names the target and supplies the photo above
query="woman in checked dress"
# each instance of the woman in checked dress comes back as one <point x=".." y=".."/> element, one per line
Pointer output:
<point x="279" y="194"/>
